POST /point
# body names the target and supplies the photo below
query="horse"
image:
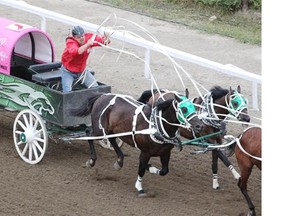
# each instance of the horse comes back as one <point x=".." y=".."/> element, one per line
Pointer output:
<point x="154" y="131"/>
<point x="247" y="149"/>
<point x="214" y="108"/>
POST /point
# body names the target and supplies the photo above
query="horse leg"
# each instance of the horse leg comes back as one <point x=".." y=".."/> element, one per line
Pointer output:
<point x="143" y="164"/>
<point x="119" y="163"/>
<point x="165" y="158"/>
<point x="228" y="164"/>
<point x="215" y="184"/>
<point x="242" y="184"/>
<point x="93" y="156"/>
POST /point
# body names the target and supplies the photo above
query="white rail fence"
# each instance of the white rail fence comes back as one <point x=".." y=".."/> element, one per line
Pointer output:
<point x="147" y="45"/>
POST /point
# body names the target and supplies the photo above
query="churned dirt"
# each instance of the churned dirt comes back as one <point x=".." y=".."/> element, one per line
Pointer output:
<point x="61" y="185"/>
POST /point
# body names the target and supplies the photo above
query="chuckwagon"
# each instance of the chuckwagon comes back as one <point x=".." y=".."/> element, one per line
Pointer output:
<point x="30" y="82"/>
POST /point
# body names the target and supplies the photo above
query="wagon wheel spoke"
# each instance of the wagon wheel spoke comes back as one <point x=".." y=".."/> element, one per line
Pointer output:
<point x="30" y="136"/>
<point x="39" y="148"/>
<point x="26" y="120"/>
<point x="35" y="152"/>
<point x="23" y="153"/>
<point x="22" y="125"/>
<point x="30" y="153"/>
<point x="35" y="124"/>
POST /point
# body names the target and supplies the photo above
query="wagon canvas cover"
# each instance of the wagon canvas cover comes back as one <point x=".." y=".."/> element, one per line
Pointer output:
<point x="23" y="40"/>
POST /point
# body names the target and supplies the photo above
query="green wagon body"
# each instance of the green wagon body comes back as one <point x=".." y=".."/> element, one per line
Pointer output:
<point x="53" y="106"/>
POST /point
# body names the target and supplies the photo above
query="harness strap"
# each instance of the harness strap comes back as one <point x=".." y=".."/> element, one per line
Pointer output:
<point x="161" y="136"/>
<point x="111" y="103"/>
<point x="207" y="110"/>
<point x="243" y="150"/>
<point x="138" y="110"/>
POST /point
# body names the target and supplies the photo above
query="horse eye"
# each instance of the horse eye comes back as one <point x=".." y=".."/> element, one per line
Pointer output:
<point x="235" y="104"/>
<point x="184" y="110"/>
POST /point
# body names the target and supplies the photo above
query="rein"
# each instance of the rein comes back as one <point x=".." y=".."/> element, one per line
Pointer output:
<point x="207" y="110"/>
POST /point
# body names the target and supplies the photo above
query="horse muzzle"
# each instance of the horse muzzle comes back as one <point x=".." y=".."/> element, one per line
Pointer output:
<point x="197" y="125"/>
<point x="244" y="118"/>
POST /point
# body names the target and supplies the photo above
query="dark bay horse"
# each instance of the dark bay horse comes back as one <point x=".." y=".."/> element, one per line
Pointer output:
<point x="248" y="154"/>
<point x="214" y="107"/>
<point x="152" y="130"/>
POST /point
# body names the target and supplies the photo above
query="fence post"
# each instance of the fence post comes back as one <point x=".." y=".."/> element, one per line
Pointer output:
<point x="147" y="71"/>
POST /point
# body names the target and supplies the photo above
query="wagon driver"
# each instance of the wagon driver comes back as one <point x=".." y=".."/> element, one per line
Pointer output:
<point x="75" y="55"/>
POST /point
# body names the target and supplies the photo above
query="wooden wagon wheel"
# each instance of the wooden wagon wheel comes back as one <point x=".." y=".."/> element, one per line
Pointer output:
<point x="30" y="136"/>
<point x="106" y="144"/>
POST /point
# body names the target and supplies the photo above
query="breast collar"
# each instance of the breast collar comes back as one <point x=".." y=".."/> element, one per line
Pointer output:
<point x="161" y="136"/>
<point x="210" y="118"/>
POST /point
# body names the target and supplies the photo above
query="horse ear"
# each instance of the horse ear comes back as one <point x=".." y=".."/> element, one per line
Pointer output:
<point x="187" y="92"/>
<point x="231" y="90"/>
<point x="239" y="89"/>
<point x="177" y="97"/>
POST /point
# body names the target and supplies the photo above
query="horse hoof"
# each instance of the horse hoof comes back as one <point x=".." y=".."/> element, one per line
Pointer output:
<point x="142" y="194"/>
<point x="117" y="166"/>
<point x="251" y="213"/>
<point x="90" y="163"/>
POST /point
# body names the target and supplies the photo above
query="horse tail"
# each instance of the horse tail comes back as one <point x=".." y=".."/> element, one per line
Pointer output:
<point x="86" y="108"/>
<point x="230" y="149"/>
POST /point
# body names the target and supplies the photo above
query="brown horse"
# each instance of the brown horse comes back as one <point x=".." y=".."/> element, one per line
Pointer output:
<point x="152" y="130"/>
<point x="214" y="107"/>
<point x="248" y="153"/>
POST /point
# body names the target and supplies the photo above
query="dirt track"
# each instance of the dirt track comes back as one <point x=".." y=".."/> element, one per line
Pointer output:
<point x="59" y="185"/>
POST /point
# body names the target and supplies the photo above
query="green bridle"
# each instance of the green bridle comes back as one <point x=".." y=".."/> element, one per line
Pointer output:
<point x="185" y="110"/>
<point x="237" y="103"/>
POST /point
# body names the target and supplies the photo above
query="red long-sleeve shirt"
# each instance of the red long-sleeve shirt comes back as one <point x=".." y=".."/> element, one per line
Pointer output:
<point x="73" y="61"/>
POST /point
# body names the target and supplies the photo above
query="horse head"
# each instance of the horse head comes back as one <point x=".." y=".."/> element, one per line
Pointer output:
<point x="237" y="105"/>
<point x="185" y="112"/>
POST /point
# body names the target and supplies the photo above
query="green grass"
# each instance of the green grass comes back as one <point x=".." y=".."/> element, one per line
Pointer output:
<point x="244" y="27"/>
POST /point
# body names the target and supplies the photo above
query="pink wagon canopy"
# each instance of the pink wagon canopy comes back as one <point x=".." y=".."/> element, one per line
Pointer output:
<point x="20" y="41"/>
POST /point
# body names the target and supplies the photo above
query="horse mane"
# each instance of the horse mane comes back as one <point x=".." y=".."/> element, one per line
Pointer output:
<point x="144" y="98"/>
<point x="85" y="108"/>
<point x="218" y="92"/>
<point x="161" y="105"/>
<point x="146" y="95"/>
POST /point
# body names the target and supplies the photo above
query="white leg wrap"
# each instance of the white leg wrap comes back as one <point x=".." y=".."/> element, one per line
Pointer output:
<point x="138" y="184"/>
<point x="154" y="170"/>
<point x="234" y="172"/>
<point x="215" y="181"/>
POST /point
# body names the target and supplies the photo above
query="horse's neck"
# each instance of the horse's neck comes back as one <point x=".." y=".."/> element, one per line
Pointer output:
<point x="220" y="108"/>
<point x="170" y="116"/>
